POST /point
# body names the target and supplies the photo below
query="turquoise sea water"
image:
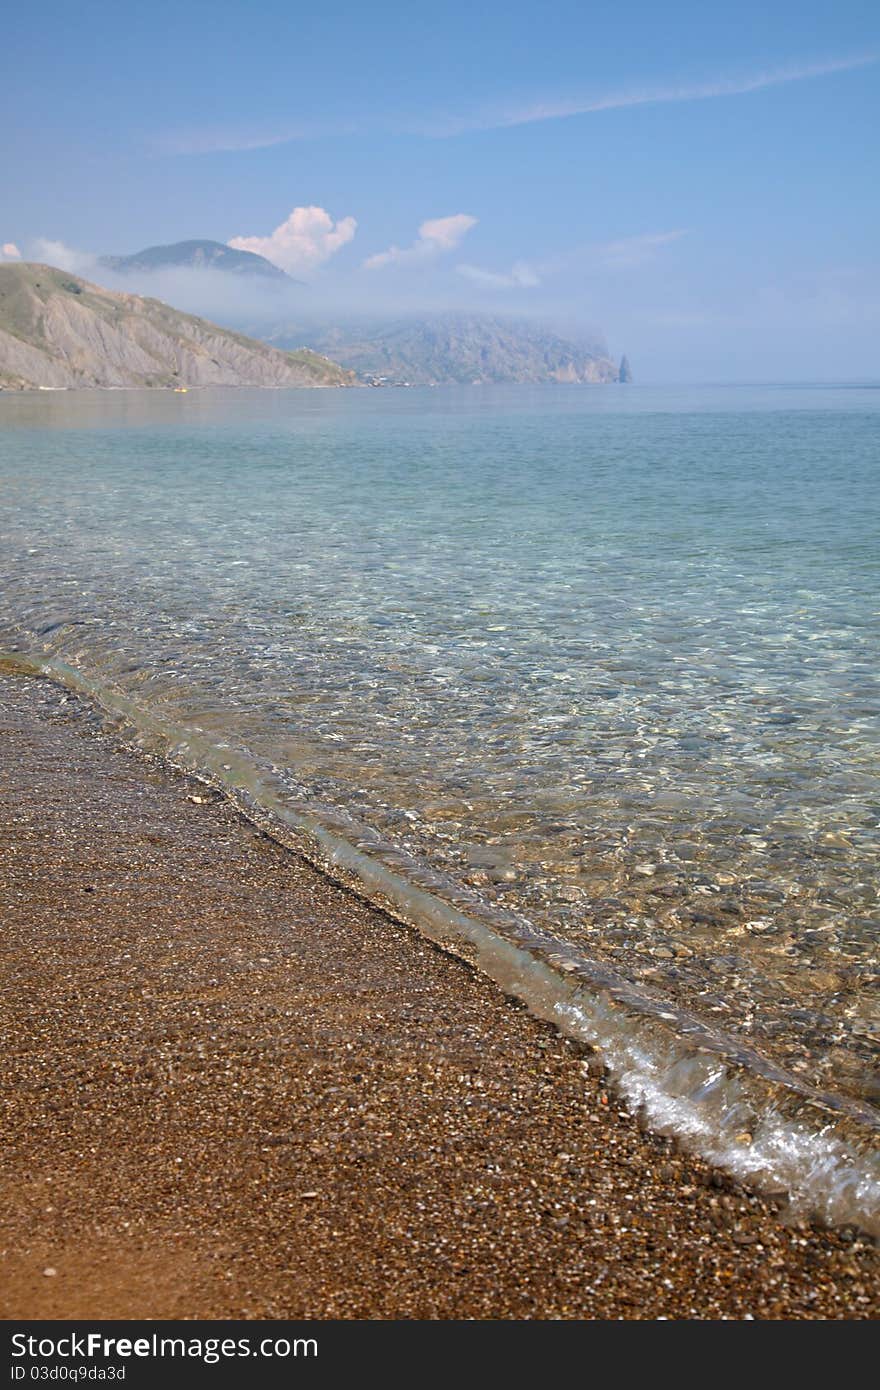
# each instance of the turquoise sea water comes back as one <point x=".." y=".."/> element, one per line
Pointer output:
<point x="600" y="660"/>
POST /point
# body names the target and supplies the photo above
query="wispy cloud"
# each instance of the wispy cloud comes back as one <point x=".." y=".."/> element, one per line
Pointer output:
<point x="633" y="250"/>
<point x="521" y="276"/>
<point x="302" y="242"/>
<point x="9" y="252"/>
<point x="589" y="104"/>
<point x="242" y="139"/>
<point x="435" y="236"/>
<point x="58" y="253"/>
<point x="625" y="253"/>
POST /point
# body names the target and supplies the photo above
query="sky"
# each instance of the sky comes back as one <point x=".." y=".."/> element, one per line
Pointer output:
<point x="697" y="181"/>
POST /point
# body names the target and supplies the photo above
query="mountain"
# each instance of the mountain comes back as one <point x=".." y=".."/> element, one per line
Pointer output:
<point x="463" y="348"/>
<point x="195" y="255"/>
<point x="57" y="330"/>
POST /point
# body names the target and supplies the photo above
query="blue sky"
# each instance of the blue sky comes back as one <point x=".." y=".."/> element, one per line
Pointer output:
<point x="698" y="180"/>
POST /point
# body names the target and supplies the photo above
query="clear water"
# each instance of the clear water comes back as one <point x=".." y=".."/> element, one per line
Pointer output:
<point x="600" y="660"/>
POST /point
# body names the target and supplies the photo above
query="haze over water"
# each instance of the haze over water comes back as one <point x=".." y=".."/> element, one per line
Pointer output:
<point x="604" y="657"/>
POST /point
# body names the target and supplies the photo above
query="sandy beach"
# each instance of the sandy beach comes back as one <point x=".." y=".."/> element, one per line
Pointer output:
<point x="233" y="1089"/>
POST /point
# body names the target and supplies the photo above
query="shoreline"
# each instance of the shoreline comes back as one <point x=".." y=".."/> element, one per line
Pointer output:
<point x="235" y="1089"/>
<point x="735" y="1108"/>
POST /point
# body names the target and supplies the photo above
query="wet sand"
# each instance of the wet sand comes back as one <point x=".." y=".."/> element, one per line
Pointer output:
<point x="233" y="1089"/>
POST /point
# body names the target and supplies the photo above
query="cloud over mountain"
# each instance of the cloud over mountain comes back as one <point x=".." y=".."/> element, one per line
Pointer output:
<point x="301" y="243"/>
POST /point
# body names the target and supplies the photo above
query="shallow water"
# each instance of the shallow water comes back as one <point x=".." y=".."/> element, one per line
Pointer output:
<point x="600" y="660"/>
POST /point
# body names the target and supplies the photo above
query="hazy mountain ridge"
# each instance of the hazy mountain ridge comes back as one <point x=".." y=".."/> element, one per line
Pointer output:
<point x="454" y="348"/>
<point x="196" y="255"/>
<point x="57" y="330"/>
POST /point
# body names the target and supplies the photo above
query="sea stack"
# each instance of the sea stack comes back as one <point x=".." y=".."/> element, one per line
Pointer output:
<point x="624" y="373"/>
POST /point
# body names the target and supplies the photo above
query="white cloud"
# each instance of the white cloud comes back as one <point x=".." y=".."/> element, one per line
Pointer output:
<point x="9" y="251"/>
<point x="521" y="276"/>
<point x="307" y="238"/>
<point x="435" y="236"/>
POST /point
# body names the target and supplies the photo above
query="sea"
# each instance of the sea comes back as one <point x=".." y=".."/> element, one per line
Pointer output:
<point x="580" y="681"/>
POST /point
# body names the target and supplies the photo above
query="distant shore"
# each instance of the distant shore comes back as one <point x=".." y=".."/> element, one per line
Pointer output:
<point x="174" y="390"/>
<point x="232" y="1089"/>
